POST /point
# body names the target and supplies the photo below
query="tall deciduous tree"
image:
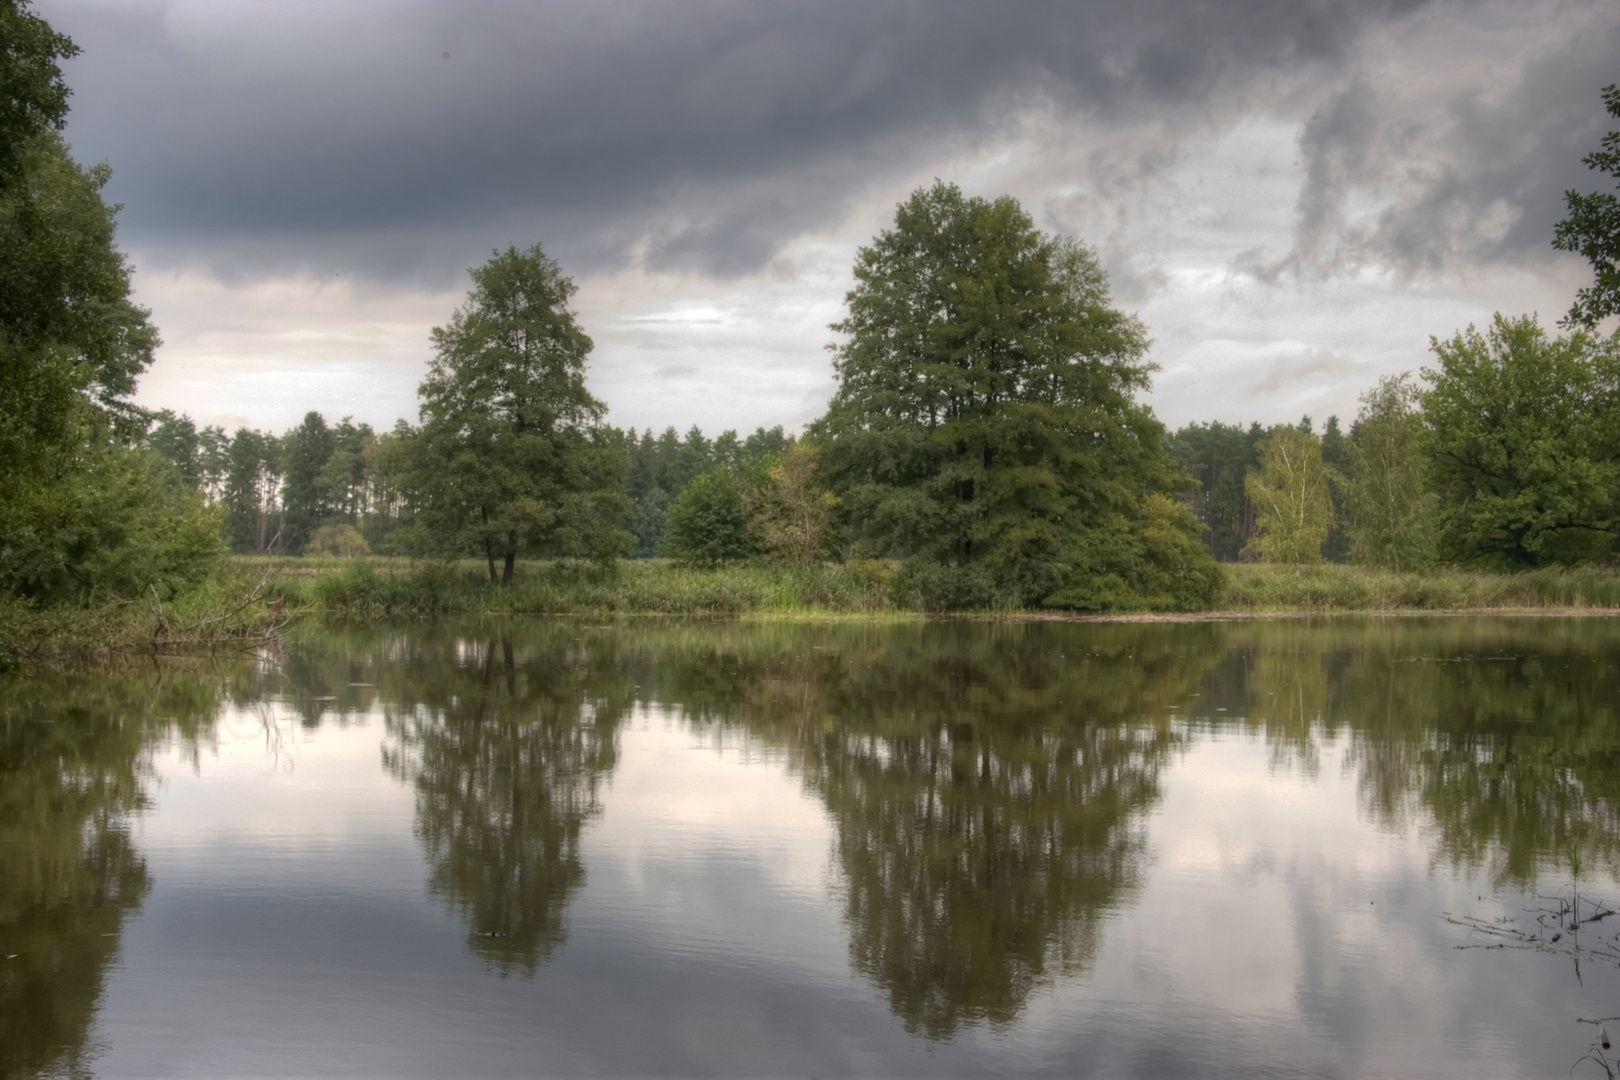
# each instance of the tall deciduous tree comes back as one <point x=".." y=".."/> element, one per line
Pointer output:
<point x="510" y="456"/>
<point x="1387" y="492"/>
<point x="1593" y="229"/>
<point x="82" y="511"/>
<point x="1520" y="434"/>
<point x="1290" y="491"/>
<point x="985" y="423"/>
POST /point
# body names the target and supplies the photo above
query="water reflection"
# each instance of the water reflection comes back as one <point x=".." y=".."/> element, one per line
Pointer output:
<point x="507" y="746"/>
<point x="989" y="786"/>
<point x="1501" y="737"/>
<point x="75" y="761"/>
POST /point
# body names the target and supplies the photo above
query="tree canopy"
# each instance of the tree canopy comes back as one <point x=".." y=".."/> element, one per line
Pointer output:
<point x="1520" y="435"/>
<point x="82" y="510"/>
<point x="1290" y="492"/>
<point x="1386" y="492"/>
<point x="511" y="455"/>
<point x="985" y="424"/>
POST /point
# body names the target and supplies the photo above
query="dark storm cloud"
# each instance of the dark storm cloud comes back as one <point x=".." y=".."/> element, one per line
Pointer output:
<point x="1477" y="178"/>
<point x="693" y="136"/>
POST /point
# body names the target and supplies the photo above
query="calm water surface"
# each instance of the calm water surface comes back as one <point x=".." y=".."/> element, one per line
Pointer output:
<point x="546" y="847"/>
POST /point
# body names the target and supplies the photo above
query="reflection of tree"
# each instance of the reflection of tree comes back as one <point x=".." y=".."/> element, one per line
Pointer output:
<point x="1503" y="734"/>
<point x="506" y="746"/>
<point x="989" y="787"/>
<point x="74" y="757"/>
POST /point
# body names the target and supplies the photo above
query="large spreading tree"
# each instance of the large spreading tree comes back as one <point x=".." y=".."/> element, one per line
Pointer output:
<point x="986" y="425"/>
<point x="1519" y="431"/>
<point x="511" y="457"/>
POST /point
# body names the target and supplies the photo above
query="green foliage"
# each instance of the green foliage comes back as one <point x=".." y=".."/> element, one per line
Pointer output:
<point x="252" y="472"/>
<point x="1336" y="455"/>
<point x="1387" y="494"/>
<point x="985" y="418"/>
<point x="343" y="541"/>
<point x="1520" y="435"/>
<point x="121" y="525"/>
<point x="1267" y="587"/>
<point x="511" y="456"/>
<point x="709" y="522"/>
<point x="1217" y="457"/>
<point x="82" y="514"/>
<point x="33" y="97"/>
<point x="790" y="513"/>
<point x="658" y="469"/>
<point x="1293" y="508"/>
<point x="1592" y="228"/>
<point x="304" y="453"/>
<point x="68" y="330"/>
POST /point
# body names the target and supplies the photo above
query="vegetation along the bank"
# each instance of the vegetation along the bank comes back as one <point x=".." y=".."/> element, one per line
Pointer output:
<point x="987" y="448"/>
<point x="380" y="586"/>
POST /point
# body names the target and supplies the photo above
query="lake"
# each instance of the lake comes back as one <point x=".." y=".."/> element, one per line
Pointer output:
<point x="1335" y="847"/>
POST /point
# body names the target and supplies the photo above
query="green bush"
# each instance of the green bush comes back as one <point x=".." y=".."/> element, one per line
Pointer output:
<point x="708" y="523"/>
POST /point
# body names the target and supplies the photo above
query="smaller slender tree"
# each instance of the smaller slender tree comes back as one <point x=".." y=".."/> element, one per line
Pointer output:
<point x="1290" y="492"/>
<point x="792" y="514"/>
<point x="1390" y="504"/>
<point x="510" y="457"/>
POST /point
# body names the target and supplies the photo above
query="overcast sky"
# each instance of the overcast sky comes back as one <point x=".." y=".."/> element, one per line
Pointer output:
<point x="1294" y="196"/>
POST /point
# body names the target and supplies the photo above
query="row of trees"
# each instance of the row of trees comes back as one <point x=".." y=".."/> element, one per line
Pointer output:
<point x="987" y="431"/>
<point x="1505" y="457"/>
<point x="326" y="489"/>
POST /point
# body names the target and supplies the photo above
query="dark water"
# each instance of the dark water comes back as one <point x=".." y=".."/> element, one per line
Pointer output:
<point x="532" y="847"/>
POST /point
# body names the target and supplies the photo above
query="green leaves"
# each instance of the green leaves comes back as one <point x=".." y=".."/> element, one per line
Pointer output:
<point x="1592" y="229"/>
<point x="1521" y="439"/>
<point x="1387" y="494"/>
<point x="985" y="416"/>
<point x="1291" y="496"/>
<point x="511" y="456"/>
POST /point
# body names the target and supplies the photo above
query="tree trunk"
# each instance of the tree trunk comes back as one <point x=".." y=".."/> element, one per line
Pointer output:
<point x="489" y="553"/>
<point x="511" y="559"/>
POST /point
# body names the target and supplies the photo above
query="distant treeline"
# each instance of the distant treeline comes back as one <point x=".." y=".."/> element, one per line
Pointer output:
<point x="339" y="489"/>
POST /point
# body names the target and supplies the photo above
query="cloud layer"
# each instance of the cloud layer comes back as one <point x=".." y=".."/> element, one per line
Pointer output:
<point x="1409" y="144"/>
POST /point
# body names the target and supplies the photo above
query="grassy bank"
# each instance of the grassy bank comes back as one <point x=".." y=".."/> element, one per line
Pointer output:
<point x="235" y="611"/>
<point x="373" y="588"/>
<point x="243" y="608"/>
<point x="376" y="587"/>
<point x="1262" y="588"/>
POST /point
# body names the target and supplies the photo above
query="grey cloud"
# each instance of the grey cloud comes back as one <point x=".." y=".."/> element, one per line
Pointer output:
<point x="1307" y="370"/>
<point x="699" y="136"/>
<point x="1477" y="179"/>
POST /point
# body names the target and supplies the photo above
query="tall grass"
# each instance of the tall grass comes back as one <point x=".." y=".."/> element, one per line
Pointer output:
<point x="1261" y="587"/>
<point x="380" y="587"/>
<point x="368" y="588"/>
